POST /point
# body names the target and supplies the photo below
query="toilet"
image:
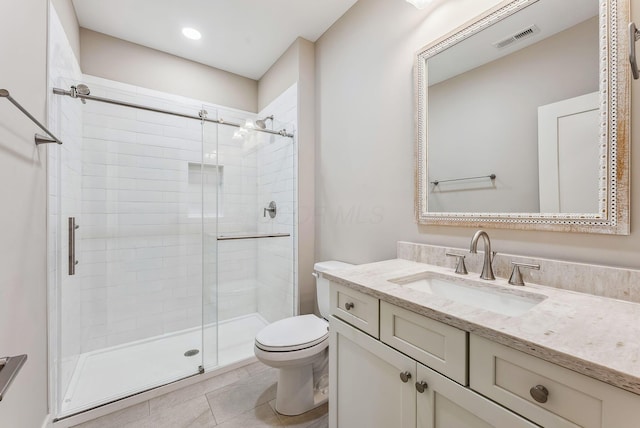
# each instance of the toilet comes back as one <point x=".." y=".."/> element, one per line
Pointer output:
<point x="298" y="347"/>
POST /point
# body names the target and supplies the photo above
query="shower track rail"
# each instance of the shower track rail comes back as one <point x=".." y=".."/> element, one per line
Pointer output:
<point x="202" y="116"/>
<point x="256" y="236"/>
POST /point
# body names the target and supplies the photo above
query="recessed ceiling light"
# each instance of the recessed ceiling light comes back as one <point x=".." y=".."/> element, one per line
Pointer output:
<point x="191" y="33"/>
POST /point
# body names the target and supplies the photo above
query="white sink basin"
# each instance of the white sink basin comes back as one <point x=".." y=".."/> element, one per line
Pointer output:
<point x="473" y="293"/>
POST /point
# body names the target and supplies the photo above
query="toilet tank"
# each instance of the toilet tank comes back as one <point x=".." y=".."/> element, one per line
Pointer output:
<point x="322" y="284"/>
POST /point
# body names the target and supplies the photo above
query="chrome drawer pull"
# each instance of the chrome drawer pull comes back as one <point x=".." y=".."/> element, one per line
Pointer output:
<point x="405" y="376"/>
<point x="421" y="386"/>
<point x="349" y="305"/>
<point x="539" y="393"/>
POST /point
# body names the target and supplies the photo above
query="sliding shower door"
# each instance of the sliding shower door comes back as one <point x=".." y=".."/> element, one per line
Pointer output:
<point x="131" y="314"/>
<point x="172" y="239"/>
<point x="211" y="176"/>
<point x="251" y="278"/>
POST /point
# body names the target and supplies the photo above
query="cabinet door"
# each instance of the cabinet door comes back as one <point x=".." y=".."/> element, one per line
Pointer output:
<point x="445" y="404"/>
<point x="365" y="382"/>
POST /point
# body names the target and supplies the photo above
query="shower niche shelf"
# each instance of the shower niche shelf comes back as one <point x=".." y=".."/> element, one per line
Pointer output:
<point x="205" y="190"/>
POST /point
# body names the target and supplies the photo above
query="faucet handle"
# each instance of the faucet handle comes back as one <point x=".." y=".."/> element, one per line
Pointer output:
<point x="461" y="268"/>
<point x="516" y="275"/>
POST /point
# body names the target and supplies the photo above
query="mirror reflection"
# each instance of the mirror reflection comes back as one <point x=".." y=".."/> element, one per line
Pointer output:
<point x="512" y="115"/>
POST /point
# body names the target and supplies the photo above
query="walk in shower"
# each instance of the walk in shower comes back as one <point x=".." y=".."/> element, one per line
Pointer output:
<point x="186" y="239"/>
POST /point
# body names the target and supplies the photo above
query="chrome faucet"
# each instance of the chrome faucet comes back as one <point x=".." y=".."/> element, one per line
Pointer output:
<point x="487" y="269"/>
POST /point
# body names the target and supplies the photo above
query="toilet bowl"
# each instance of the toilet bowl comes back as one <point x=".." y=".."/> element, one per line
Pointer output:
<point x="298" y="347"/>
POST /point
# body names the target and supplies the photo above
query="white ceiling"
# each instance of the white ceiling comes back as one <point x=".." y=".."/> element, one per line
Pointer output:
<point x="244" y="37"/>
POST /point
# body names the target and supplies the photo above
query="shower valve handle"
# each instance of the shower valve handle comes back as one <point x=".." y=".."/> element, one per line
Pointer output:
<point x="271" y="209"/>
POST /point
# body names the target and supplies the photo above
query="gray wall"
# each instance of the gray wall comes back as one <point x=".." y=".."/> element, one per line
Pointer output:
<point x="499" y="135"/>
<point x="297" y="65"/>
<point x="116" y="59"/>
<point x="365" y="134"/>
<point x="23" y="178"/>
<point x="67" y="14"/>
<point x="281" y="75"/>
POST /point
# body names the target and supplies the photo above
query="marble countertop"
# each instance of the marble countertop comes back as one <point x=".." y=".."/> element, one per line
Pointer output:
<point x="595" y="336"/>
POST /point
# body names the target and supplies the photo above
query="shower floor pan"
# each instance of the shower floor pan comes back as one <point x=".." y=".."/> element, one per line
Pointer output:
<point x="108" y="374"/>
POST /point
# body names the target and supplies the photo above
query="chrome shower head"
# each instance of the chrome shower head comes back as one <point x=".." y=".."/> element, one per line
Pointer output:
<point x="80" y="89"/>
<point x="262" y="123"/>
<point x="83" y="89"/>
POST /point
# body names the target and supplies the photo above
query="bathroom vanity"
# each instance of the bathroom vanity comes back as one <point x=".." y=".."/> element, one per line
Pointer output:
<point x="415" y="344"/>
<point x="405" y="354"/>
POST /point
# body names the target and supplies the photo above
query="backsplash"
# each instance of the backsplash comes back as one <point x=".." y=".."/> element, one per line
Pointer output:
<point x="605" y="281"/>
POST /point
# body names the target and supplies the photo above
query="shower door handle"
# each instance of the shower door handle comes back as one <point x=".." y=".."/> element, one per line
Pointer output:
<point x="72" y="245"/>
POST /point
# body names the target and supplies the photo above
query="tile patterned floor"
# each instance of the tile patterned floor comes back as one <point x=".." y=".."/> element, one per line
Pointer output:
<point x="243" y="398"/>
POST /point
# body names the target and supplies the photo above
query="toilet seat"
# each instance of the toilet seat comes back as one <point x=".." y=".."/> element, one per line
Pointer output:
<point x="293" y="334"/>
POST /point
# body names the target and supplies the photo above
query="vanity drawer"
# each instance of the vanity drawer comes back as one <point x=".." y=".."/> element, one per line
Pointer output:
<point x="358" y="309"/>
<point x="572" y="400"/>
<point x="436" y="345"/>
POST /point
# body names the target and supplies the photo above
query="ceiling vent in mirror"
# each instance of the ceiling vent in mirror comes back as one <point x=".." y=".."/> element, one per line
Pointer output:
<point x="520" y="35"/>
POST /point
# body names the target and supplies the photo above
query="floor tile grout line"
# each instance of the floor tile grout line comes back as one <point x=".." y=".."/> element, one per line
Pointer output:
<point x="211" y="408"/>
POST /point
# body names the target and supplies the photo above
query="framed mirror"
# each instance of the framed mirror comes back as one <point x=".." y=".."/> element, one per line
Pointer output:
<point x="523" y="119"/>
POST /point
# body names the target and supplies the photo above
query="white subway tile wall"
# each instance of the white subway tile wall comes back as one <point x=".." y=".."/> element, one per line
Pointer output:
<point x="141" y="259"/>
<point x="277" y="178"/>
<point x="143" y="247"/>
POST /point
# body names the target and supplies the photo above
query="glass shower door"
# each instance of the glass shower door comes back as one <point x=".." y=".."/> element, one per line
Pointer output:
<point x="212" y="178"/>
<point x="131" y="315"/>
<point x="251" y="271"/>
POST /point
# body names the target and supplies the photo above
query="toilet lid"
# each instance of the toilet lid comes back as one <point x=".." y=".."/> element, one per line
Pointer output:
<point x="293" y="333"/>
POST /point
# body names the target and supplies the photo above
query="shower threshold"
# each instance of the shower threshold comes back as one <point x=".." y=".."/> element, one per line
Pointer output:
<point x="105" y="375"/>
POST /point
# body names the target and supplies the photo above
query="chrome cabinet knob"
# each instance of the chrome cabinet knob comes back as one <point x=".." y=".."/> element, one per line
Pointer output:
<point x="421" y="386"/>
<point x="539" y="393"/>
<point x="405" y="376"/>
<point x="349" y="305"/>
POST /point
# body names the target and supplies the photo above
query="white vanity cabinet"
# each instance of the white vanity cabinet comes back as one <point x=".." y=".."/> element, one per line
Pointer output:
<point x="393" y="368"/>
<point x="375" y="386"/>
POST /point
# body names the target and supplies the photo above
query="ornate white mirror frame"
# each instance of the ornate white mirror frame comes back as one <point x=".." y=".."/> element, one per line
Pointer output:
<point x="613" y="213"/>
